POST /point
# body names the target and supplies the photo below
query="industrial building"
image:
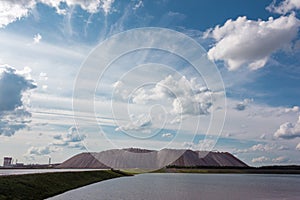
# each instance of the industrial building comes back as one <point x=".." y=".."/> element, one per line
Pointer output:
<point x="7" y="162"/>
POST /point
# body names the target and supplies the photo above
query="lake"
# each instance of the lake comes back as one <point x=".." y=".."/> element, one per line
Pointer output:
<point x="191" y="186"/>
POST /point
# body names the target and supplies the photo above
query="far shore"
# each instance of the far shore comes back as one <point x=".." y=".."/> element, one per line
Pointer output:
<point x="287" y="169"/>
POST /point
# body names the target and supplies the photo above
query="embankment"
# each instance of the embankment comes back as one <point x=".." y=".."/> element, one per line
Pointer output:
<point x="41" y="186"/>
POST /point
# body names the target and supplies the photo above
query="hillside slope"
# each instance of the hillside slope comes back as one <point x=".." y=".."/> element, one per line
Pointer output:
<point x="148" y="159"/>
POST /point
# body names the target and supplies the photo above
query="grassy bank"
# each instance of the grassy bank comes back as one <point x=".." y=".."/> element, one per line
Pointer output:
<point x="41" y="186"/>
<point x="233" y="170"/>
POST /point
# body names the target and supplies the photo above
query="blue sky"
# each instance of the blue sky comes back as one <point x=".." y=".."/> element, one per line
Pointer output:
<point x="253" y="45"/>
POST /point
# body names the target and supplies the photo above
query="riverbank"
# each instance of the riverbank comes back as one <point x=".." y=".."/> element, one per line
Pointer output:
<point x="232" y="170"/>
<point x="41" y="186"/>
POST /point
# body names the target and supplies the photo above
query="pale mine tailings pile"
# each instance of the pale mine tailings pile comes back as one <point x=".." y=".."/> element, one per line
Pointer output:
<point x="148" y="159"/>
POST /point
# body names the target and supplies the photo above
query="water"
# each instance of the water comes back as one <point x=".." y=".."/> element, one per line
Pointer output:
<point x="6" y="172"/>
<point x="190" y="187"/>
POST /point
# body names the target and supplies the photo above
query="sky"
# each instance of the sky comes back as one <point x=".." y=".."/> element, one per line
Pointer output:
<point x="92" y="75"/>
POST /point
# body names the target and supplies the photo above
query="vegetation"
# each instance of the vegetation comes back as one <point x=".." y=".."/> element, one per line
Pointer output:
<point x="232" y="170"/>
<point x="45" y="185"/>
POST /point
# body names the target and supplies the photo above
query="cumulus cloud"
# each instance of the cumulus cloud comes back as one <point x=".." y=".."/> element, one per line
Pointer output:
<point x="12" y="10"/>
<point x="119" y="90"/>
<point x="91" y="6"/>
<point x="293" y="109"/>
<point x="14" y="86"/>
<point x="262" y="148"/>
<point x="107" y="5"/>
<point x="280" y="159"/>
<point x="43" y="76"/>
<point x="187" y="96"/>
<point x="202" y="145"/>
<point x="37" y="38"/>
<point x="288" y="130"/>
<point x="72" y="139"/>
<point x="284" y="7"/>
<point x="139" y="123"/>
<point x="260" y="159"/>
<point x="242" y="105"/>
<point x="40" y="151"/>
<point x="247" y="42"/>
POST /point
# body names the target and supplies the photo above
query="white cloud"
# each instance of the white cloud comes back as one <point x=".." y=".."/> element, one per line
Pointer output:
<point x="37" y="38"/>
<point x="120" y="91"/>
<point x="284" y="7"/>
<point x="71" y="139"/>
<point x="187" y="96"/>
<point x="288" y="130"/>
<point x="167" y="135"/>
<point x="293" y="109"/>
<point x="40" y="151"/>
<point x="14" y="85"/>
<point x="107" y="5"/>
<point x="138" y="123"/>
<point x="247" y="42"/>
<point x="202" y="145"/>
<point x="91" y="6"/>
<point x="44" y="87"/>
<point x="12" y="10"/>
<point x="263" y="148"/>
<point x="43" y="76"/>
<point x="138" y="5"/>
<point x="263" y="136"/>
<point x="260" y="159"/>
<point x="242" y="105"/>
<point x="280" y="159"/>
<point x="298" y="147"/>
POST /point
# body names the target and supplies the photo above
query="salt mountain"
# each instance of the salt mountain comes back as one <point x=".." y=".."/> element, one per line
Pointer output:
<point x="150" y="159"/>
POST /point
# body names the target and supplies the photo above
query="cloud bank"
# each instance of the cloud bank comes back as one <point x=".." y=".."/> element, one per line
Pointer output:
<point x="39" y="151"/>
<point x="14" y="86"/>
<point x="12" y="10"/>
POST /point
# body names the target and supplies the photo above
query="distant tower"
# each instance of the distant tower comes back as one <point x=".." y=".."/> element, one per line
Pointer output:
<point x="49" y="160"/>
<point x="7" y="161"/>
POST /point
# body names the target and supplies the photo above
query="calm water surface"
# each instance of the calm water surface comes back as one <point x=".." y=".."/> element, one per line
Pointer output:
<point x="190" y="187"/>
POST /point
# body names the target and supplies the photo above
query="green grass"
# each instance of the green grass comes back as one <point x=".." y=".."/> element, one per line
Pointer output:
<point x="229" y="171"/>
<point x="41" y="186"/>
<point x="135" y="171"/>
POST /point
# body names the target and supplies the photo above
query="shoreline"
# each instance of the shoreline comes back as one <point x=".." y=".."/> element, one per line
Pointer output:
<point x="46" y="185"/>
<point x="232" y="170"/>
<point x="49" y="184"/>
